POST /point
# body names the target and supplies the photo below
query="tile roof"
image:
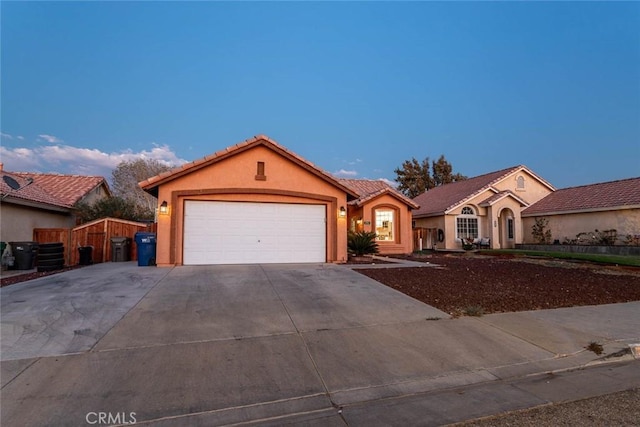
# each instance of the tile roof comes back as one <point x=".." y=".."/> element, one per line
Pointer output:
<point x="369" y="189"/>
<point x="68" y="189"/>
<point x="438" y="200"/>
<point x="501" y="195"/>
<point x="151" y="184"/>
<point x="30" y="193"/>
<point x="600" y="196"/>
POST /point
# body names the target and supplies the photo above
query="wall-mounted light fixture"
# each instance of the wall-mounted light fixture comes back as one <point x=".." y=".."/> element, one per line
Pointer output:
<point x="164" y="208"/>
<point x="343" y="212"/>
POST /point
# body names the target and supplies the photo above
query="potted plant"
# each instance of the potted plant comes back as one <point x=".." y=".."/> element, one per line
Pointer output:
<point x="361" y="244"/>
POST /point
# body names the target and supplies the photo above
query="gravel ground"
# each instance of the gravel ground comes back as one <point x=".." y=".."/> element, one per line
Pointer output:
<point x="496" y="284"/>
<point x="617" y="409"/>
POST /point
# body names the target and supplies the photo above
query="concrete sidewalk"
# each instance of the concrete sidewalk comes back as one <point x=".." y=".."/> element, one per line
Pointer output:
<point x="287" y="344"/>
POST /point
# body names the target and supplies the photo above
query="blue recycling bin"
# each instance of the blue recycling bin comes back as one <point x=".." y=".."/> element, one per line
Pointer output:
<point x="146" y="243"/>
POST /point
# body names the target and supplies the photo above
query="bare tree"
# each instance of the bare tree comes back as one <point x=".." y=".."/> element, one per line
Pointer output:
<point x="127" y="175"/>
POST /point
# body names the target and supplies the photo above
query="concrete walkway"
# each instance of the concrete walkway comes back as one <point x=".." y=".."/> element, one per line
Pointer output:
<point x="389" y="262"/>
<point x="286" y="344"/>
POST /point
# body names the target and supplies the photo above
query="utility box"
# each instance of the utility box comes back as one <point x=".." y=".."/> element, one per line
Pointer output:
<point x="146" y="243"/>
<point x="120" y="248"/>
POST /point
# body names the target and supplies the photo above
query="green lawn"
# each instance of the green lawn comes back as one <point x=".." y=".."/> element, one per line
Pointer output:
<point x="633" y="261"/>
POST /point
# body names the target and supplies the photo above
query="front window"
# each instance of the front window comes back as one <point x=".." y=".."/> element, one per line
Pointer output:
<point x="384" y="224"/>
<point x="467" y="224"/>
<point x="510" y="228"/>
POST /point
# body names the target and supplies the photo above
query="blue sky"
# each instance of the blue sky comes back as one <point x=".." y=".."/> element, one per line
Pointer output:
<point x="356" y="87"/>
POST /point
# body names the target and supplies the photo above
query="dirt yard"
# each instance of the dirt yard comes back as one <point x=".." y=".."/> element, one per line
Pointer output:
<point x="475" y="284"/>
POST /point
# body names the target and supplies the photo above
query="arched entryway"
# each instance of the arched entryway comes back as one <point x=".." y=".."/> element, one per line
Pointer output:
<point x="507" y="229"/>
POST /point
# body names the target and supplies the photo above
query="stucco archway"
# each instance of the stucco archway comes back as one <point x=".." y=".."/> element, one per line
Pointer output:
<point x="507" y="229"/>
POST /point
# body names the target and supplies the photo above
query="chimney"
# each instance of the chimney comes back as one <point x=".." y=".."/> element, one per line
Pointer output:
<point x="1" y="167"/>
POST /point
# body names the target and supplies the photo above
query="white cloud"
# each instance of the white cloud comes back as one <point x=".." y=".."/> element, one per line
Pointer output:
<point x="5" y="135"/>
<point x="50" y="139"/>
<point x="20" y="137"/>
<point x="345" y="173"/>
<point x="84" y="161"/>
<point x="389" y="182"/>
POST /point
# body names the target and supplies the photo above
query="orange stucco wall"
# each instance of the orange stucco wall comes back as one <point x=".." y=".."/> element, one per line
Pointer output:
<point x="234" y="179"/>
<point x="403" y="240"/>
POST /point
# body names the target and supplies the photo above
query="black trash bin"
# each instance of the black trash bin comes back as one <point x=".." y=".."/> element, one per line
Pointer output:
<point x="120" y="249"/>
<point x="50" y="256"/>
<point x="86" y="255"/>
<point x="146" y="243"/>
<point x="25" y="254"/>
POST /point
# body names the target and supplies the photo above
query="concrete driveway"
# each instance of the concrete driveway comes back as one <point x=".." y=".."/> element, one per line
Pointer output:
<point x="217" y="345"/>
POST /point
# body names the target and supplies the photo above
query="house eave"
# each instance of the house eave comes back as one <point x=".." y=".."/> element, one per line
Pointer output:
<point x="152" y="184"/>
<point x="359" y="203"/>
<point x="428" y="215"/>
<point x="37" y="205"/>
<point x="507" y="194"/>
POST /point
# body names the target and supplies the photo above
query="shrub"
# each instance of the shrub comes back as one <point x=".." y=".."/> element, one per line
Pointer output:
<point x="540" y="232"/>
<point x="473" y="310"/>
<point x="362" y="243"/>
<point x="632" y="240"/>
<point x="605" y="237"/>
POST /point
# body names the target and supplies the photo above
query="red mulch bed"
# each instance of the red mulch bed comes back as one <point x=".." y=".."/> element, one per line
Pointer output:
<point x="6" y="281"/>
<point x="507" y="284"/>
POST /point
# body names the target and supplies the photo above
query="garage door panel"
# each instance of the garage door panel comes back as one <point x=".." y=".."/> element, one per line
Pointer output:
<point x="247" y="232"/>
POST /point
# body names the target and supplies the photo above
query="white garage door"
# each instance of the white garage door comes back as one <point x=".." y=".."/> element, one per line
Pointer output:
<point x="249" y="233"/>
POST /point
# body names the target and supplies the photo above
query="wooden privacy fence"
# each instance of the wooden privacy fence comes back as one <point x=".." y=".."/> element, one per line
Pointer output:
<point x="425" y="235"/>
<point x="52" y="235"/>
<point x="96" y="233"/>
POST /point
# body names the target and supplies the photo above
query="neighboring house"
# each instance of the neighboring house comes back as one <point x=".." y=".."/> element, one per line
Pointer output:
<point x="71" y="189"/>
<point x="258" y="202"/>
<point x="484" y="207"/>
<point x="43" y="201"/>
<point x="613" y="205"/>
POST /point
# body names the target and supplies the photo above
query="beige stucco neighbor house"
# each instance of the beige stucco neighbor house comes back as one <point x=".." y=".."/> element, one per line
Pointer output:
<point x="43" y="201"/>
<point x="258" y="202"/>
<point x="613" y="205"/>
<point x="486" y="207"/>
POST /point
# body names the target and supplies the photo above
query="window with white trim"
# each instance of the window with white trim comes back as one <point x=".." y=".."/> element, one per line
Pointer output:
<point x="384" y="224"/>
<point x="467" y="224"/>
